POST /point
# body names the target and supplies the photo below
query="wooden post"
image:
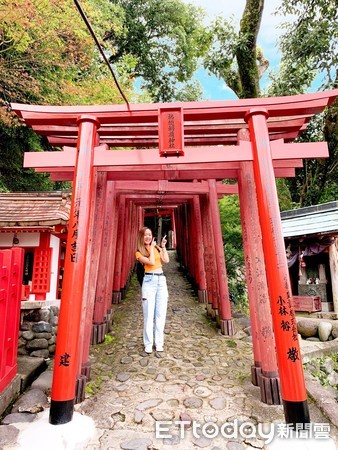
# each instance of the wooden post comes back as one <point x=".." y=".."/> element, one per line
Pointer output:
<point x="199" y="250"/>
<point x="284" y="320"/>
<point x="110" y="237"/>
<point x="91" y="276"/>
<point x="173" y="227"/>
<point x="264" y="372"/>
<point x="226" y="321"/>
<point x="119" y="250"/>
<point x="210" y="263"/>
<point x="67" y="345"/>
<point x="333" y="258"/>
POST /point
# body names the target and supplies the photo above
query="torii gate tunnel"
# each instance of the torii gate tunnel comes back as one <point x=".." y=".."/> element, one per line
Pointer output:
<point x="176" y="157"/>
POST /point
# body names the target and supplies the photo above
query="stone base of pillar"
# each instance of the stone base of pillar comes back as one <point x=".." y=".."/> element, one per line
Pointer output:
<point x="116" y="297"/>
<point x="123" y="292"/>
<point x="256" y="372"/>
<point x="109" y="319"/>
<point x="98" y="333"/>
<point x="214" y="313"/>
<point x="202" y="296"/>
<point x="227" y="327"/>
<point x="86" y="369"/>
<point x="270" y="389"/>
<point x="80" y="388"/>
<point x="210" y="310"/>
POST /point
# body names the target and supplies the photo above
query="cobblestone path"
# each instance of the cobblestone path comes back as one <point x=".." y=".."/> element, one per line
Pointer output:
<point x="202" y="377"/>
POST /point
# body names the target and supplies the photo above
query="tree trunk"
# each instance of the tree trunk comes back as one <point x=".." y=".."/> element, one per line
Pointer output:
<point x="246" y="53"/>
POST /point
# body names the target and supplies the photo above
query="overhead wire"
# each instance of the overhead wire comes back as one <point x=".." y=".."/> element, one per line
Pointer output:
<point x="84" y="17"/>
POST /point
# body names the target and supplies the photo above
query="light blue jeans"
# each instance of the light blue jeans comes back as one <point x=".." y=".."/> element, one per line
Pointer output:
<point x="154" y="303"/>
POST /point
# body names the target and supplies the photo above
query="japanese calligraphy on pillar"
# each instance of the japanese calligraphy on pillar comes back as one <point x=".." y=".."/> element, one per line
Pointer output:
<point x="171" y="132"/>
<point x="64" y="360"/>
<point x="288" y="324"/>
<point x="74" y="232"/>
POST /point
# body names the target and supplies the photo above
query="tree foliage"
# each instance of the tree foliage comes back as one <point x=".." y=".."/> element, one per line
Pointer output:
<point x="164" y="39"/>
<point x="310" y="49"/>
<point x="48" y="57"/>
<point x="233" y="247"/>
<point x="235" y="57"/>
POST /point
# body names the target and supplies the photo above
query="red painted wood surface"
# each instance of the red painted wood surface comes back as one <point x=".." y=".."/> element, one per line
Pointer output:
<point x="307" y="303"/>
<point x="200" y="269"/>
<point x="224" y="300"/>
<point x="282" y="309"/>
<point x="265" y="361"/>
<point x="110" y="237"/>
<point x="11" y="269"/>
<point x="283" y="108"/>
<point x="92" y="266"/>
<point x="197" y="155"/>
<point x="67" y="345"/>
<point x="171" y="133"/>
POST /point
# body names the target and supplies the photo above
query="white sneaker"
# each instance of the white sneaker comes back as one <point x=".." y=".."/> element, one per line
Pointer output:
<point x="148" y="350"/>
<point x="159" y="349"/>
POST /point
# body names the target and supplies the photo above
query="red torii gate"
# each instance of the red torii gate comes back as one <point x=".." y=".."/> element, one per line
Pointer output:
<point x="208" y="134"/>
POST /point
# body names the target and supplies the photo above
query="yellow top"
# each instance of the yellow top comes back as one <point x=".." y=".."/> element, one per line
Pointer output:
<point x="158" y="262"/>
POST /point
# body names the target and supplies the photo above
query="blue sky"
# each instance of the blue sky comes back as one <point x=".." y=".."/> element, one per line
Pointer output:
<point x="215" y="89"/>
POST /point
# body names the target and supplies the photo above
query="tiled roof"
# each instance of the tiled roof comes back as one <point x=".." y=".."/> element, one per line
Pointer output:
<point x="312" y="220"/>
<point x="34" y="208"/>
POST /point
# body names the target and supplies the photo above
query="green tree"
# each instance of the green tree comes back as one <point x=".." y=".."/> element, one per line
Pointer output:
<point x="165" y="40"/>
<point x="234" y="57"/>
<point x="233" y="247"/>
<point x="47" y="56"/>
<point x="309" y="47"/>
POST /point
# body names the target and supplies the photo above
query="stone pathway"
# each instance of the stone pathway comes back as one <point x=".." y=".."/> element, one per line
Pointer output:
<point x="202" y="378"/>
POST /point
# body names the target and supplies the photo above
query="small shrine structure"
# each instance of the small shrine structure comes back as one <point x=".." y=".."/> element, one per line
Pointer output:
<point x="311" y="240"/>
<point x="38" y="223"/>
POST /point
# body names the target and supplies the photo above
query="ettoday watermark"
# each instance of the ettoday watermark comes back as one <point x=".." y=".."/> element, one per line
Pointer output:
<point x="238" y="429"/>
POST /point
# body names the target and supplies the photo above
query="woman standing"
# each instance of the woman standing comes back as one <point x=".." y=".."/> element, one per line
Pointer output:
<point x="154" y="288"/>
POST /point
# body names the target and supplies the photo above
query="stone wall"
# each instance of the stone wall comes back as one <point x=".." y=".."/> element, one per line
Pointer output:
<point x="38" y="330"/>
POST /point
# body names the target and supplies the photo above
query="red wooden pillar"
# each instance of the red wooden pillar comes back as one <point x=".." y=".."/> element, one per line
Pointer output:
<point x="125" y="267"/>
<point x="179" y="235"/>
<point x="140" y="217"/>
<point x="264" y="372"/>
<point x="180" y="252"/>
<point x="110" y="238"/>
<point x="133" y="242"/>
<point x="177" y="224"/>
<point x="190" y="231"/>
<point x="91" y="275"/>
<point x="200" y="271"/>
<point x="173" y="227"/>
<point x="210" y="265"/>
<point x="96" y="248"/>
<point x="67" y="345"/>
<point x="119" y="251"/>
<point x="226" y="322"/>
<point x="283" y="314"/>
<point x="214" y="311"/>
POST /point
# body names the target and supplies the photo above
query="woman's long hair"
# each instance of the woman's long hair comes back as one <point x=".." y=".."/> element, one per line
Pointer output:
<point x="140" y="241"/>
